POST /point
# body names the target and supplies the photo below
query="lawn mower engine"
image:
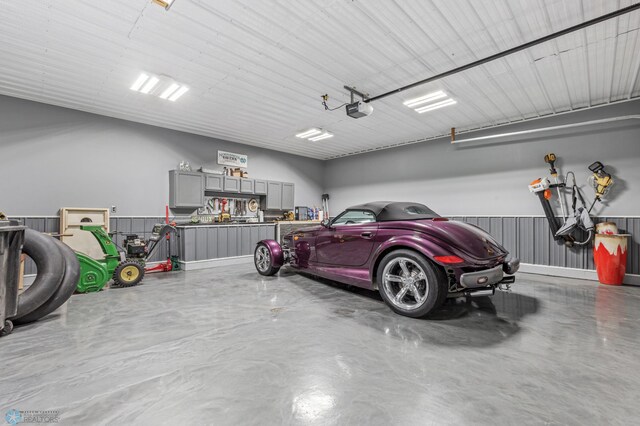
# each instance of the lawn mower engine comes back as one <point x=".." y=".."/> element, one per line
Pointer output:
<point x="135" y="247"/>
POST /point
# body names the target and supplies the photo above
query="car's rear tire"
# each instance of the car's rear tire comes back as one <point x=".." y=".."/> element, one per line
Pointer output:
<point x="263" y="261"/>
<point x="411" y="284"/>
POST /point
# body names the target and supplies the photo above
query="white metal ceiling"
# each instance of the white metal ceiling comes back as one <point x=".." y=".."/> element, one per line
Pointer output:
<point x="257" y="68"/>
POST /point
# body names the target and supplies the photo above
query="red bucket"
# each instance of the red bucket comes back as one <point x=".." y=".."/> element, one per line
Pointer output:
<point x="610" y="257"/>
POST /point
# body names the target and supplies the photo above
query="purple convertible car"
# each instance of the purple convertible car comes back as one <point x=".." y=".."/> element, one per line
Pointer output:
<point x="411" y="255"/>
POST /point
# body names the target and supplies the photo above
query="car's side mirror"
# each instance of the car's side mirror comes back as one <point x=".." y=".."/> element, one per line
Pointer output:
<point x="326" y="223"/>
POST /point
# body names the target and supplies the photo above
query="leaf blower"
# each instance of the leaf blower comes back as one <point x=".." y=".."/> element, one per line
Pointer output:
<point x="542" y="187"/>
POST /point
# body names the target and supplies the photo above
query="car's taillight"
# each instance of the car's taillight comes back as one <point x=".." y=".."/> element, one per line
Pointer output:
<point x="440" y="219"/>
<point x="448" y="259"/>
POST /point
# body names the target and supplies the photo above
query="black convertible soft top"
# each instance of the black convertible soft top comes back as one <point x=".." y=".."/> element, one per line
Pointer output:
<point x="390" y="210"/>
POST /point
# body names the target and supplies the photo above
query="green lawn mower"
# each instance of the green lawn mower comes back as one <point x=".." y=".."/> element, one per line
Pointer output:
<point x="127" y="267"/>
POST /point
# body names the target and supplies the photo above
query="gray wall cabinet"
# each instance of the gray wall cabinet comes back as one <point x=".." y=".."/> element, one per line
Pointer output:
<point x="231" y="184"/>
<point x="274" y="196"/>
<point x="288" y="191"/>
<point x="246" y="186"/>
<point x="280" y="196"/>
<point x="260" y="187"/>
<point x="213" y="182"/>
<point x="186" y="189"/>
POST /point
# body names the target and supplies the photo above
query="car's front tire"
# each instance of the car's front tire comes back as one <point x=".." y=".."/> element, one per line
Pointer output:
<point x="410" y="284"/>
<point x="263" y="260"/>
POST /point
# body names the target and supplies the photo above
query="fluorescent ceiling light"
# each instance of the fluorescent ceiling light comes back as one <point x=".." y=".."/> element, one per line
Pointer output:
<point x="139" y="82"/>
<point x="424" y="99"/>
<point x="309" y="133"/>
<point x="437" y="105"/>
<point x="149" y="85"/>
<point x="169" y="90"/>
<point x="325" y="135"/>
<point x="181" y="91"/>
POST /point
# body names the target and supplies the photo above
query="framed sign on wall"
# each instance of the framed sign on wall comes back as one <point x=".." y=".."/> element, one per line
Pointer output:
<point x="231" y="159"/>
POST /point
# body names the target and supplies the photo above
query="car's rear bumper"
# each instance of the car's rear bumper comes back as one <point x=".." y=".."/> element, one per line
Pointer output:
<point x="492" y="276"/>
<point x="511" y="266"/>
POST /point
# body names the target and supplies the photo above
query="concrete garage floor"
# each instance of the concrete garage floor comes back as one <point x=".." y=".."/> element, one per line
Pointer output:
<point x="225" y="346"/>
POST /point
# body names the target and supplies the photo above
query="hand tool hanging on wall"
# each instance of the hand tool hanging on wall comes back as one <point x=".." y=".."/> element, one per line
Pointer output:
<point x="600" y="180"/>
<point x="550" y="159"/>
<point x="580" y="219"/>
<point x="224" y="216"/>
<point x="543" y="189"/>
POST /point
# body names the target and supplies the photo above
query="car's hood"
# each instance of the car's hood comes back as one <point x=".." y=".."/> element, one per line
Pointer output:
<point x="462" y="236"/>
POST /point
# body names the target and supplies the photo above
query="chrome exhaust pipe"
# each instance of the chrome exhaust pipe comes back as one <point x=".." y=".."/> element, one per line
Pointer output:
<point x="487" y="292"/>
<point x="473" y="293"/>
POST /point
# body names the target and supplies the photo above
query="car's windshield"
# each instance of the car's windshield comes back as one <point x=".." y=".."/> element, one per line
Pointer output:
<point x="354" y="217"/>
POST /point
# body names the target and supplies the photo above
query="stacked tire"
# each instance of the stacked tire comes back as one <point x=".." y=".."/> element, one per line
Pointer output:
<point x="56" y="280"/>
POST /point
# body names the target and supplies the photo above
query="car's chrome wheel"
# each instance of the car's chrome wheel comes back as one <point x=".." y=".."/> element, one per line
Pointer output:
<point x="263" y="259"/>
<point x="405" y="283"/>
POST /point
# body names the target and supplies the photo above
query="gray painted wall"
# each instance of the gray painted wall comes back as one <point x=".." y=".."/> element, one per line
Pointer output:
<point x="43" y="148"/>
<point x="52" y="157"/>
<point x="529" y="239"/>
<point x="491" y="178"/>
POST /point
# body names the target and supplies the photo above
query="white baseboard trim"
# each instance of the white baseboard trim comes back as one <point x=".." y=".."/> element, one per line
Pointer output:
<point x="213" y="263"/>
<point x="559" y="271"/>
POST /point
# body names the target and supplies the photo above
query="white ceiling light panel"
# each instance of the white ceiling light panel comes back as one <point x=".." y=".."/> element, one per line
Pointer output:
<point x="309" y="133"/>
<point x="411" y="103"/>
<point x="325" y="135"/>
<point x="437" y="105"/>
<point x="169" y="90"/>
<point x="314" y="134"/>
<point x="149" y="85"/>
<point x="181" y="91"/>
<point x="426" y="103"/>
<point x="165" y="86"/>
<point x="137" y="85"/>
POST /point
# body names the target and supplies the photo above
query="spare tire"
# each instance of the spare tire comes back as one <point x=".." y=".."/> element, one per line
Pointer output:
<point x="51" y="269"/>
<point x="65" y="290"/>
